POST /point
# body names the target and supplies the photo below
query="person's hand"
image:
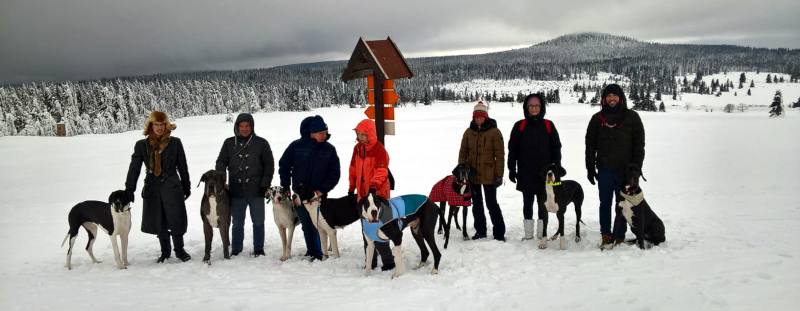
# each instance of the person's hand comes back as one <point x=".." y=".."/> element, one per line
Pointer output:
<point x="287" y="194"/>
<point x="591" y="175"/>
<point x="130" y="195"/>
<point x="262" y="192"/>
<point x="317" y="195"/>
<point x="352" y="198"/>
<point x="497" y="181"/>
<point x="186" y="193"/>
<point x="512" y="176"/>
<point x="372" y="190"/>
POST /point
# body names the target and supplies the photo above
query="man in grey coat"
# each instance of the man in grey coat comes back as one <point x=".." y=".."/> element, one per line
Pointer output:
<point x="247" y="159"/>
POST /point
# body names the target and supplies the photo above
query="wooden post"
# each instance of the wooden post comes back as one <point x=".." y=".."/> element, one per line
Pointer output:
<point x="379" y="121"/>
<point x="61" y="129"/>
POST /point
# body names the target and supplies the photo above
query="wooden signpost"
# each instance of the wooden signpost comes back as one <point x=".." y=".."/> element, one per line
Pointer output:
<point x="381" y="62"/>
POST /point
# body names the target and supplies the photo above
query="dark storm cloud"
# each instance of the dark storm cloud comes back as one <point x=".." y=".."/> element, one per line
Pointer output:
<point x="56" y="40"/>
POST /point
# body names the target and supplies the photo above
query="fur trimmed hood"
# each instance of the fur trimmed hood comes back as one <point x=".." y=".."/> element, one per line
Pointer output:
<point x="158" y="116"/>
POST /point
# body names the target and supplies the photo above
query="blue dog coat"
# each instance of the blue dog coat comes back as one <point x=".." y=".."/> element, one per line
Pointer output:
<point x="401" y="207"/>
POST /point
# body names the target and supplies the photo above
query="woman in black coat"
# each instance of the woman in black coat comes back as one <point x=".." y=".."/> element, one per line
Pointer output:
<point x="534" y="143"/>
<point x="166" y="184"/>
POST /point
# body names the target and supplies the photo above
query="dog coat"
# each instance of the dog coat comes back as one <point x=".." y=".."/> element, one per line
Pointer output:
<point x="401" y="206"/>
<point x="443" y="191"/>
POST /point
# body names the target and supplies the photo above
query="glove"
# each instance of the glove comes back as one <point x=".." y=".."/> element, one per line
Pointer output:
<point x="512" y="176"/>
<point x="352" y="198"/>
<point x="372" y="190"/>
<point x="130" y="195"/>
<point x="262" y="192"/>
<point x="591" y="175"/>
<point x="497" y="181"/>
<point x="186" y="193"/>
<point x="287" y="193"/>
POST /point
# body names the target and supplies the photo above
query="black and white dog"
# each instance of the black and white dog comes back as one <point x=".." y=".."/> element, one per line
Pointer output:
<point x="215" y="211"/>
<point x="327" y="214"/>
<point x="384" y="221"/>
<point x="113" y="217"/>
<point x="454" y="190"/>
<point x="634" y="210"/>
<point x="285" y="218"/>
<point x="559" y="194"/>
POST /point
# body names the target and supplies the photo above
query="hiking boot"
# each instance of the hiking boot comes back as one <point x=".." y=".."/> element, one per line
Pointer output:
<point x="618" y="241"/>
<point x="606" y="243"/>
<point x="257" y="254"/>
<point x="182" y="255"/>
<point x="162" y="258"/>
<point x="478" y="236"/>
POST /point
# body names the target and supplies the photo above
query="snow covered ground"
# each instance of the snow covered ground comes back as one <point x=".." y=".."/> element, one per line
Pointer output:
<point x="724" y="184"/>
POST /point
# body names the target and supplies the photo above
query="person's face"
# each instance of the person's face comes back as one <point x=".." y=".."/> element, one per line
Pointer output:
<point x="245" y="129"/>
<point x="319" y="136"/>
<point x="534" y="106"/>
<point x="480" y="120"/>
<point x="158" y="128"/>
<point x="362" y="137"/>
<point x="612" y="100"/>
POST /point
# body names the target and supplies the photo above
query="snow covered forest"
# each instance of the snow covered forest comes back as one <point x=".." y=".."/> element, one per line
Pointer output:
<point x="648" y="69"/>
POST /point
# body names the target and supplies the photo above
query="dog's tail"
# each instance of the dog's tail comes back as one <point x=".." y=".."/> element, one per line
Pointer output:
<point x="65" y="239"/>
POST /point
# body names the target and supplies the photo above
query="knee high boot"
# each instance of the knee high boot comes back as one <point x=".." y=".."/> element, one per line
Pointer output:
<point x="529" y="225"/>
<point x="180" y="253"/>
<point x="166" y="248"/>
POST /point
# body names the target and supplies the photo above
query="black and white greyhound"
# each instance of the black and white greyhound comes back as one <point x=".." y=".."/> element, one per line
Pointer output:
<point x="327" y="214"/>
<point x="559" y="193"/>
<point x="114" y="217"/>
<point x="454" y="190"/>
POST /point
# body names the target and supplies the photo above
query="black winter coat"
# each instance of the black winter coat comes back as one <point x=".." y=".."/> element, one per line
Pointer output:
<point x="247" y="161"/>
<point x="307" y="162"/>
<point x="612" y="147"/>
<point x="532" y="148"/>
<point x="161" y="192"/>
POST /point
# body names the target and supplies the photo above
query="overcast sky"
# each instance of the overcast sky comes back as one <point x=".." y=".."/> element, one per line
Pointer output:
<point x="56" y="40"/>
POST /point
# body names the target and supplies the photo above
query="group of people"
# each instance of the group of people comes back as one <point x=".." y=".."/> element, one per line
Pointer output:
<point x="614" y="137"/>
<point x="248" y="161"/>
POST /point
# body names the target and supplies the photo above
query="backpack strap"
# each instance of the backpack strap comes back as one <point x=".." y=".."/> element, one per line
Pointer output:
<point x="546" y="124"/>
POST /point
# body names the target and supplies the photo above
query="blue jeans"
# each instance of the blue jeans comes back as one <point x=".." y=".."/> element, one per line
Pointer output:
<point x="498" y="225"/>
<point x="609" y="185"/>
<point x="309" y="232"/>
<point x="238" y="208"/>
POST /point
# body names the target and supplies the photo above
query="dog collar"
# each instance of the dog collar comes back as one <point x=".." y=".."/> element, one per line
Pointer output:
<point x="553" y="183"/>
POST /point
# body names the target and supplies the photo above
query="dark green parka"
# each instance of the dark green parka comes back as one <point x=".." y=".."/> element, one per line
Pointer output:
<point x="615" y="136"/>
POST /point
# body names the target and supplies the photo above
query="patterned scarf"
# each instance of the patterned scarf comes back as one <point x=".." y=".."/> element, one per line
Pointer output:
<point x="158" y="145"/>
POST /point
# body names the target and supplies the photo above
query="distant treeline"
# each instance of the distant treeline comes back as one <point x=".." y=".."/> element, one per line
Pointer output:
<point x="121" y="104"/>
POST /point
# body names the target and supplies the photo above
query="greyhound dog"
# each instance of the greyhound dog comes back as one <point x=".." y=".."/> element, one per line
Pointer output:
<point x="215" y="211"/>
<point x="327" y="214"/>
<point x="559" y="194"/>
<point x="384" y="220"/>
<point x="454" y="190"/>
<point x="113" y="217"/>
<point x="634" y="210"/>
<point x="285" y="218"/>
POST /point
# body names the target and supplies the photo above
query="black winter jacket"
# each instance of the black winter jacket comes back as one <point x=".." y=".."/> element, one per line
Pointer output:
<point x="532" y="148"/>
<point x="617" y="141"/>
<point x="247" y="161"/>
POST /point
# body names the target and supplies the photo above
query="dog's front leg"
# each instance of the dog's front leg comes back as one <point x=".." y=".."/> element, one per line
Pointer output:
<point x="334" y="243"/>
<point x="323" y="242"/>
<point x="464" y="224"/>
<point x="123" y="237"/>
<point x="209" y="238"/>
<point x="116" y="251"/>
<point x="369" y="252"/>
<point x="224" y="233"/>
<point x="282" y="232"/>
<point x="398" y="260"/>
<point x="289" y="234"/>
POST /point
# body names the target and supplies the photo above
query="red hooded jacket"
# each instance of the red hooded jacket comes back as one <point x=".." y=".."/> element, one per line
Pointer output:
<point x="369" y="166"/>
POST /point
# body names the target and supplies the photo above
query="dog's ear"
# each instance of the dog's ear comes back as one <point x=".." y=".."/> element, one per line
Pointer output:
<point x="561" y="171"/>
<point x="455" y="170"/>
<point x="110" y="197"/>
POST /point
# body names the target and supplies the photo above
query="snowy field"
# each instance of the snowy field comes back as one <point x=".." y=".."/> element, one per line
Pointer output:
<point x="725" y="185"/>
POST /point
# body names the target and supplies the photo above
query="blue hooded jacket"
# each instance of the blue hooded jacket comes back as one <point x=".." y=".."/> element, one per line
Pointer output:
<point x="307" y="162"/>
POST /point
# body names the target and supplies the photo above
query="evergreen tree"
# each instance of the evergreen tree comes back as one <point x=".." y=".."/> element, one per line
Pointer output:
<point x="769" y="78"/>
<point x="658" y="95"/>
<point x="748" y="92"/>
<point x="742" y="78"/>
<point x="776" y="108"/>
<point x="582" y="99"/>
<point x="741" y="85"/>
<point x="662" y="108"/>
<point x="752" y="83"/>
